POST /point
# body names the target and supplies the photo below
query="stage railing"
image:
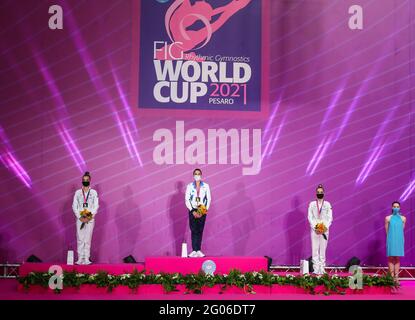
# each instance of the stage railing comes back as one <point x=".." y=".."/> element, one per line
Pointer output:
<point x="11" y="270"/>
<point x="405" y="273"/>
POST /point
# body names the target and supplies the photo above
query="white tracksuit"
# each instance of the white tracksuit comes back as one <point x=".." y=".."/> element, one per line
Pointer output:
<point x="84" y="236"/>
<point x="318" y="243"/>
<point x="191" y="195"/>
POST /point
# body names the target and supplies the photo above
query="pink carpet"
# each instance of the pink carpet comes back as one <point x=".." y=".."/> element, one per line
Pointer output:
<point x="8" y="291"/>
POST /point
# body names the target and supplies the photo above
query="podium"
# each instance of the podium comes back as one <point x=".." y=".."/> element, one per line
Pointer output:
<point x="194" y="265"/>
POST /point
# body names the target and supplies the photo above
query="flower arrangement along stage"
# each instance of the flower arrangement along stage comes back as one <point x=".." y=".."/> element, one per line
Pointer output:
<point x="198" y="283"/>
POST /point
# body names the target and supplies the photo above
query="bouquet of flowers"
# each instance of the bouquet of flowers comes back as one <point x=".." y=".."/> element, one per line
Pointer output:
<point x="322" y="229"/>
<point x="85" y="214"/>
<point x="201" y="209"/>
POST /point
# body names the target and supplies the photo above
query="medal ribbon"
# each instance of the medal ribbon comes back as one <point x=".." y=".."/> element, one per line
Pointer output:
<point x="87" y="196"/>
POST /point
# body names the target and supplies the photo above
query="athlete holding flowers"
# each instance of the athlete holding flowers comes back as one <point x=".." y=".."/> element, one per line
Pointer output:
<point x="85" y="207"/>
<point x="320" y="217"/>
<point x="197" y="199"/>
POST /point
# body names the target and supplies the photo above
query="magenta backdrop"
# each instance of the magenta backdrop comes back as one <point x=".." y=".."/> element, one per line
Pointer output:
<point x="344" y="117"/>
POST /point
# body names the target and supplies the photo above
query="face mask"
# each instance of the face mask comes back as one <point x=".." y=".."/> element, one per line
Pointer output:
<point x="85" y="183"/>
<point x="395" y="210"/>
<point x="320" y="195"/>
<point x="197" y="177"/>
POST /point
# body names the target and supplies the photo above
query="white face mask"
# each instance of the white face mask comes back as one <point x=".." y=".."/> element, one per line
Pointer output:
<point x="197" y="177"/>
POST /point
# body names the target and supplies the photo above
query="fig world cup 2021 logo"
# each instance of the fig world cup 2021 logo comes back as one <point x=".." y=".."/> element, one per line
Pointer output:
<point x="200" y="55"/>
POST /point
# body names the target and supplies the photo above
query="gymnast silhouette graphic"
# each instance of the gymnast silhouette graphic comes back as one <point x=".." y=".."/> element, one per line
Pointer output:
<point x="182" y="14"/>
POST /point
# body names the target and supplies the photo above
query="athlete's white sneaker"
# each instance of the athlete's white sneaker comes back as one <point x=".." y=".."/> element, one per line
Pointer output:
<point x="200" y="254"/>
<point x="193" y="254"/>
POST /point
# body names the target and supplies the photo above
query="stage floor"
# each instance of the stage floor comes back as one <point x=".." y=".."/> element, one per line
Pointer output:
<point x="8" y="291"/>
<point x="9" y="287"/>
